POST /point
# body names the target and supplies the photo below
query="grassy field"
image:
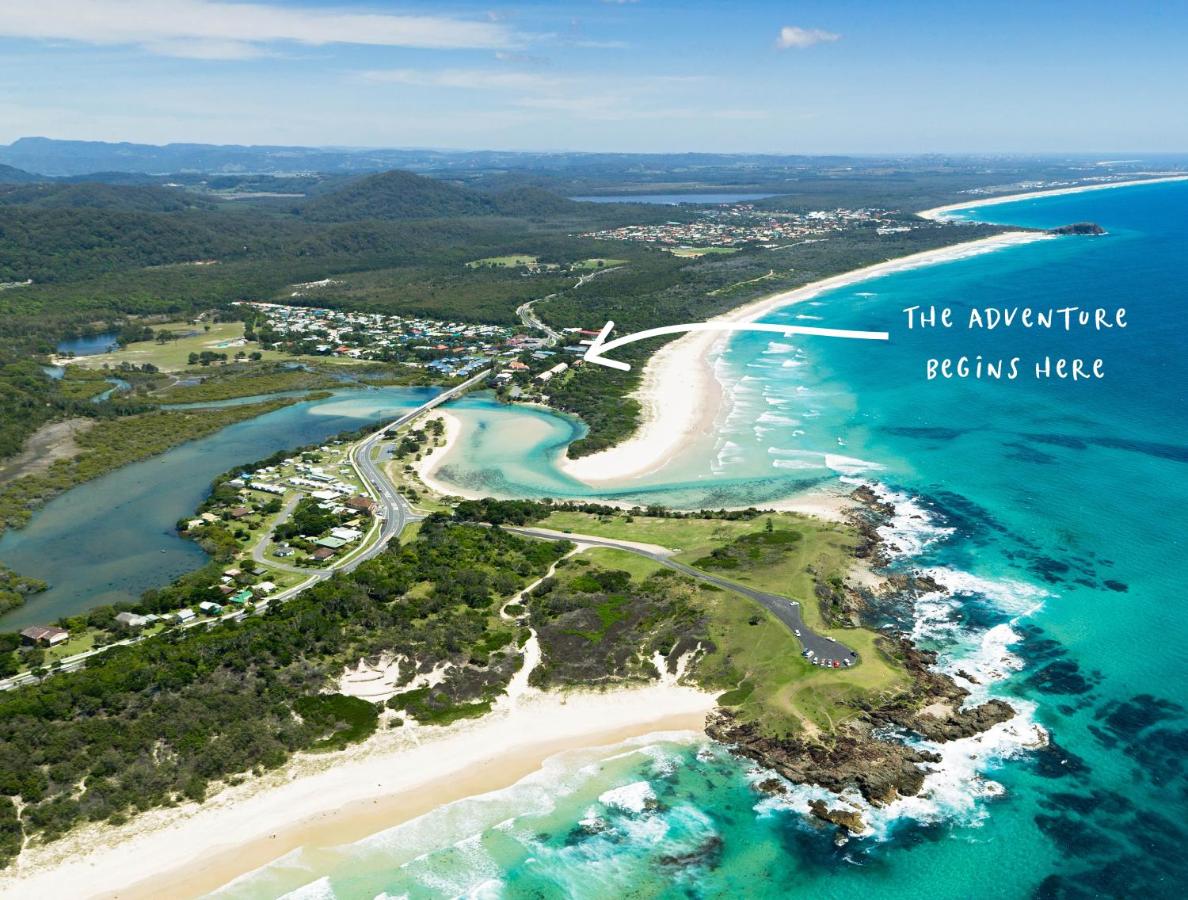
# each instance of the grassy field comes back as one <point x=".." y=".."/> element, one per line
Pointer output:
<point x="504" y="262"/>
<point x="694" y="537"/>
<point x="687" y="252"/>
<point x="637" y="566"/>
<point x="224" y="383"/>
<point x="757" y="658"/>
<point x="172" y="356"/>
<point x="597" y="263"/>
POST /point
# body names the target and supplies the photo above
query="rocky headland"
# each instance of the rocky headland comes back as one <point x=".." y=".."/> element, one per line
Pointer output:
<point x="868" y="753"/>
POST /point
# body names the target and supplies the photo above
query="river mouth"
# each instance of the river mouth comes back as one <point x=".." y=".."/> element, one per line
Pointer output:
<point x="111" y="539"/>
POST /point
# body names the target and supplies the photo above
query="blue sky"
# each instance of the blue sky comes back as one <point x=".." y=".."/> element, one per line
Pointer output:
<point x="636" y="75"/>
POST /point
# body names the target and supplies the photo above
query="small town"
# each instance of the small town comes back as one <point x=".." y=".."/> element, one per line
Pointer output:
<point x="447" y="348"/>
<point x="450" y="349"/>
<point x="743" y="224"/>
<point x="306" y="510"/>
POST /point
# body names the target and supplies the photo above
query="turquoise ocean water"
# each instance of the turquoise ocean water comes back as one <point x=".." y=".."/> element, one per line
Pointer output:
<point x="1055" y="512"/>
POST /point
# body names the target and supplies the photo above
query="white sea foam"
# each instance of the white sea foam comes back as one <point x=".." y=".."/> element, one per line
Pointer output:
<point x="912" y="529"/>
<point x="728" y="454"/>
<point x="956" y="788"/>
<point x="630" y="797"/>
<point x="767" y="417"/>
<point x="775" y="347"/>
<point x="794" y="464"/>
<point x="808" y="317"/>
<point x="1016" y="598"/>
<point x="849" y="465"/>
<point x="315" y="890"/>
<point x="983" y="657"/>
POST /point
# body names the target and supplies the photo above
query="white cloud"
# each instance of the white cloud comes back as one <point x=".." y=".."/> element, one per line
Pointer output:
<point x="205" y="49"/>
<point x="465" y="79"/>
<point x="793" y="38"/>
<point x="213" y="29"/>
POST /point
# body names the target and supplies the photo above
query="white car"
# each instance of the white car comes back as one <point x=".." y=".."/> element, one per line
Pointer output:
<point x="796" y="631"/>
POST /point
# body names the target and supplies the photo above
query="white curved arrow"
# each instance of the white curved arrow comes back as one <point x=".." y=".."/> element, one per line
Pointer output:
<point x="600" y="345"/>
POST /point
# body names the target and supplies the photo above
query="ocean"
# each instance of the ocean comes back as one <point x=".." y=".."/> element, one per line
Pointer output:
<point x="1052" y="509"/>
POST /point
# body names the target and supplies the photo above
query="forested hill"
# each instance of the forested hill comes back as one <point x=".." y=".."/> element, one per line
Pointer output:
<point x="90" y="195"/>
<point x="11" y="175"/>
<point x="405" y="195"/>
<point x="395" y="195"/>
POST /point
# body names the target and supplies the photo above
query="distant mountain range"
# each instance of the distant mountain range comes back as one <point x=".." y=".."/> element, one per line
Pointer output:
<point x="393" y="196"/>
<point x="48" y="156"/>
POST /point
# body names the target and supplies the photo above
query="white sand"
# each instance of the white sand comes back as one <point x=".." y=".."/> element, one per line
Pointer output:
<point x="941" y="212"/>
<point x="426" y="467"/>
<point x="681" y="396"/>
<point x="680" y="400"/>
<point x="320" y="800"/>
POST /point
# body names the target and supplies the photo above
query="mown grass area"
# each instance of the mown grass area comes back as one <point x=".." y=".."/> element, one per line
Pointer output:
<point x="692" y="252"/>
<point x="174" y="355"/>
<point x="693" y="537"/>
<point x="597" y="263"/>
<point x="757" y="662"/>
<point x="509" y="261"/>
<point x="637" y="566"/>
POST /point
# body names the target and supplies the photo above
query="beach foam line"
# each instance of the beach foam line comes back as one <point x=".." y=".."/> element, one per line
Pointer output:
<point x="940" y="213"/>
<point x="325" y="800"/>
<point x="681" y="396"/>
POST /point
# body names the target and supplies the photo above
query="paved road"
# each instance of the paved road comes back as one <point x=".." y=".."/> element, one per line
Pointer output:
<point x="394" y="514"/>
<point x="532" y="320"/>
<point x="258" y="550"/>
<point x="787" y="611"/>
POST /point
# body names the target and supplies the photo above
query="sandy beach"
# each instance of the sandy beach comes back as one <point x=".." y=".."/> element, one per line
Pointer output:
<point x="427" y="466"/>
<point x="941" y="212"/>
<point x="681" y="398"/>
<point x="323" y="800"/>
<point x="680" y="395"/>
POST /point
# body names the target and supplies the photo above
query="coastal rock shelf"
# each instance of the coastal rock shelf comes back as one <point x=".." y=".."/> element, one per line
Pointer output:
<point x="1090" y="228"/>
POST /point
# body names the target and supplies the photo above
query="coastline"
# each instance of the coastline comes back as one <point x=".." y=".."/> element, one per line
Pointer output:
<point x="940" y="213"/>
<point x="426" y="467"/>
<point x="682" y="398"/>
<point x="324" y="800"/>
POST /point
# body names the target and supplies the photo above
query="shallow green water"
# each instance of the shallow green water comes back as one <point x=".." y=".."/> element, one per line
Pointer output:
<point x="1055" y="513"/>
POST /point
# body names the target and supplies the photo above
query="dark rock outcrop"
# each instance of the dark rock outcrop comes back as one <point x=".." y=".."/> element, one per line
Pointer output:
<point x="879" y="770"/>
<point x="847" y="819"/>
<point x="1078" y="228"/>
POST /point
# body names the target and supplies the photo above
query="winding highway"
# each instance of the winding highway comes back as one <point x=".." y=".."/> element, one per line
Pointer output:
<point x="531" y="320"/>
<point x="392" y="515"/>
